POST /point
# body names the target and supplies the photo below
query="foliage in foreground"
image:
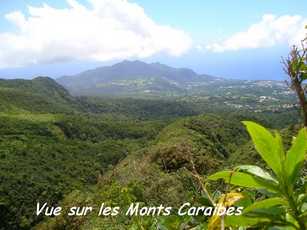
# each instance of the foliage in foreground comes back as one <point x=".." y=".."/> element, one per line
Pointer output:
<point x="282" y="190"/>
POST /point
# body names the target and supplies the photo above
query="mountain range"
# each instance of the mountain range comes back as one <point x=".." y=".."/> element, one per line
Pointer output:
<point x="140" y="79"/>
<point x="135" y="78"/>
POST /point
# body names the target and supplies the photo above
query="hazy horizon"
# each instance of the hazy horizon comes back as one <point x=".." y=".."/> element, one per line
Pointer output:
<point x="71" y="71"/>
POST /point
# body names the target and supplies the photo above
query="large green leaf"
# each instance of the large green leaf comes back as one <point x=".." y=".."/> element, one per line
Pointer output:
<point x="275" y="213"/>
<point x="256" y="171"/>
<point x="267" y="203"/>
<point x="295" y="156"/>
<point x="268" y="146"/>
<point x="243" y="221"/>
<point x="244" y="179"/>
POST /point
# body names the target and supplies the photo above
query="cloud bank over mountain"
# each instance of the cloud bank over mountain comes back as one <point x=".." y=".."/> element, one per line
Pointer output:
<point x="107" y="30"/>
<point x="271" y="30"/>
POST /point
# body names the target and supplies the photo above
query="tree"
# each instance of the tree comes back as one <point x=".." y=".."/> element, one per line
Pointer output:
<point x="295" y="66"/>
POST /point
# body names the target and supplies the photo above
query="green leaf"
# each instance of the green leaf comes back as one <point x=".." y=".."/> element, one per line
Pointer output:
<point x="302" y="198"/>
<point x="240" y="221"/>
<point x="256" y="171"/>
<point x="267" y="203"/>
<point x="244" y="179"/>
<point x="295" y="156"/>
<point x="268" y="146"/>
<point x="279" y="147"/>
<point x="275" y="213"/>
<point x="303" y="73"/>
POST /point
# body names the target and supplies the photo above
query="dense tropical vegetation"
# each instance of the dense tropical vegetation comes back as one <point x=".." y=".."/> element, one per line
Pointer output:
<point x="83" y="151"/>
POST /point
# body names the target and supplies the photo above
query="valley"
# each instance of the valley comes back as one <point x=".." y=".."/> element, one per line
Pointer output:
<point x="74" y="148"/>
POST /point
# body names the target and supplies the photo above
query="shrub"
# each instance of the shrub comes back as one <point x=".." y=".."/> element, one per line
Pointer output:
<point x="281" y="186"/>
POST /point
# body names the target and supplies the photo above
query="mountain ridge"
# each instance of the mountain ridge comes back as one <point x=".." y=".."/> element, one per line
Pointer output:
<point x="143" y="80"/>
<point x="41" y="94"/>
<point x="133" y="77"/>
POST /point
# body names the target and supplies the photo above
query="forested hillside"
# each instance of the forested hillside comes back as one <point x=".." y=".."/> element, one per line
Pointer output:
<point x="163" y="173"/>
<point x="49" y="147"/>
<point x="80" y="150"/>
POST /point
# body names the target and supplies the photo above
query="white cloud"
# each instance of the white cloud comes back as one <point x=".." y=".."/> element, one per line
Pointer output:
<point x="109" y="29"/>
<point x="270" y="31"/>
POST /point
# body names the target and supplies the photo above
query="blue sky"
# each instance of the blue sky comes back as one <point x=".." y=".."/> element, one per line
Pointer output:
<point x="237" y="39"/>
